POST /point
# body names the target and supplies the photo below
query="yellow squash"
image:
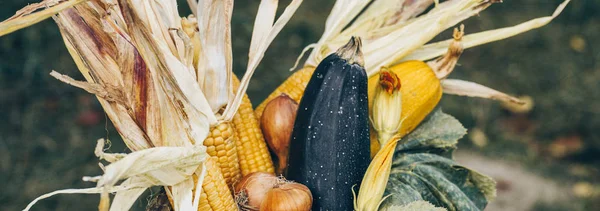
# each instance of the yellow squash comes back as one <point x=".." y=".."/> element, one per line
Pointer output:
<point x="421" y="92"/>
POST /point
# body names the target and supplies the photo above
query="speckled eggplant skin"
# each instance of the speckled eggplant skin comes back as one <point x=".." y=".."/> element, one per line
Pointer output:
<point x="329" y="150"/>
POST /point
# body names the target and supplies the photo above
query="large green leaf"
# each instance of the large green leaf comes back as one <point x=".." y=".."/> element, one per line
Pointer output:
<point x="423" y="169"/>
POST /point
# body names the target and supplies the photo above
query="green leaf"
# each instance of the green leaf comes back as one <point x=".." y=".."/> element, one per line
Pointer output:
<point x="423" y="169"/>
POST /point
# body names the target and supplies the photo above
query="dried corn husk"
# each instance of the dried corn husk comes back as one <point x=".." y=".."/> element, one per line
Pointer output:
<point x="28" y="16"/>
<point x="161" y="82"/>
<point x="387" y="37"/>
<point x="433" y="50"/>
<point x="385" y="118"/>
<point x="372" y="188"/>
<point x="394" y="31"/>
<point x="263" y="34"/>
<point x="169" y="166"/>
<point x="215" y="62"/>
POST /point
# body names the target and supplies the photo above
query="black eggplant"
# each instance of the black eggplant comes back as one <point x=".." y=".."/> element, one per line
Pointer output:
<point x="329" y="150"/>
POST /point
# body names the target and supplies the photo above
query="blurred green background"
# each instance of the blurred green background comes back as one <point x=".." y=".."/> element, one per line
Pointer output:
<point x="48" y="129"/>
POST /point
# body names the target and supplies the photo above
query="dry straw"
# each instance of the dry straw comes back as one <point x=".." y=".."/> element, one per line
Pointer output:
<point x="394" y="31"/>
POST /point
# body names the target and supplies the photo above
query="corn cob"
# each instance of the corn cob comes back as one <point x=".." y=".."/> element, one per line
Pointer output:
<point x="220" y="144"/>
<point x="293" y="86"/>
<point x="421" y="90"/>
<point x="252" y="149"/>
<point x="215" y="194"/>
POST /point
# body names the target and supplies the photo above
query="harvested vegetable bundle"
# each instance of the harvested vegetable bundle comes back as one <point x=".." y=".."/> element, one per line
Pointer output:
<point x="330" y="140"/>
<point x="396" y="32"/>
<point x="166" y="84"/>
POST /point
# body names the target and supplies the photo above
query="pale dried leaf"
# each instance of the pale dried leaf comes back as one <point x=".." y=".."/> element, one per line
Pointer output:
<point x="123" y="199"/>
<point x="433" y="50"/>
<point x="185" y="49"/>
<point x="138" y="62"/>
<point x="388" y="40"/>
<point x="158" y="17"/>
<point x="182" y="195"/>
<point x="470" y="89"/>
<point x="402" y="41"/>
<point x="157" y="165"/>
<point x="256" y="55"/>
<point x="385" y="14"/>
<point x="378" y="13"/>
<point x="110" y="95"/>
<point x="95" y="190"/>
<point x="110" y="157"/>
<point x="28" y="15"/>
<point x="215" y="65"/>
<point x="193" y="6"/>
<point x="201" y="174"/>
<point x="159" y="122"/>
<point x="265" y="17"/>
<point x="132" y="135"/>
<point x="412" y="10"/>
<point x="197" y="112"/>
<point x="372" y="188"/>
<point x="184" y="107"/>
<point x="341" y="15"/>
<point x="84" y="32"/>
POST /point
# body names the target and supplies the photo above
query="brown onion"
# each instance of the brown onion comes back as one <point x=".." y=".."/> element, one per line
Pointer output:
<point x="277" y="123"/>
<point x="266" y="192"/>
<point x="251" y="190"/>
<point x="287" y="196"/>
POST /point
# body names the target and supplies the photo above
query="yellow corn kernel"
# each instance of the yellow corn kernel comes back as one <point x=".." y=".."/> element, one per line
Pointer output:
<point x="252" y="149"/>
<point x="220" y="144"/>
<point x="293" y="86"/>
<point x="215" y="195"/>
